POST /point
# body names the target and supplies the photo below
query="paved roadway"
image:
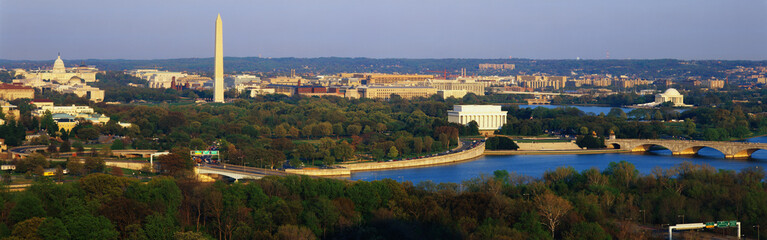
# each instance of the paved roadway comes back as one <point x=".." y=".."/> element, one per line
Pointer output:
<point x="24" y="150"/>
<point x="240" y="170"/>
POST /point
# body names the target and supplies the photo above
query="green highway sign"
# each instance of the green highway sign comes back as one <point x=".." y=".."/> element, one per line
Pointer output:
<point x="722" y="224"/>
<point x="197" y="153"/>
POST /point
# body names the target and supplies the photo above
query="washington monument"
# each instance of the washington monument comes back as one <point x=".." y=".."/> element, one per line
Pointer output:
<point x="218" y="74"/>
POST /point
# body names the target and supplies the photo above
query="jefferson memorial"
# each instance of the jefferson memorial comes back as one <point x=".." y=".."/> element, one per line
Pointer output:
<point x="670" y="95"/>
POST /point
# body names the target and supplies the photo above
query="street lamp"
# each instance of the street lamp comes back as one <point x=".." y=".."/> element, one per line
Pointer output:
<point x="757" y="231"/>
<point x="680" y="216"/>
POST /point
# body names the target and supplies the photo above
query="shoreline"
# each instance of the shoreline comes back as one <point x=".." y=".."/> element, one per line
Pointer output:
<point x="348" y="169"/>
<point x="551" y="152"/>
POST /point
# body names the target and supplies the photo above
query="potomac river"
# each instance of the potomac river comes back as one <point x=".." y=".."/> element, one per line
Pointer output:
<point x="536" y="165"/>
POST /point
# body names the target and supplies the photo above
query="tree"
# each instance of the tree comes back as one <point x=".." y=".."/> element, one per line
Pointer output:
<point x="343" y="151"/>
<point x="82" y="225"/>
<point x="94" y="164"/>
<point x="689" y="126"/>
<point x="103" y="187"/>
<point x="353" y="129"/>
<point x="586" y="231"/>
<point x="583" y="130"/>
<point x="293" y="232"/>
<point x="78" y="146"/>
<point x="65" y="147"/>
<point x="117" y="144"/>
<point x="52" y="229"/>
<point x="28" y="229"/>
<point x="87" y="133"/>
<point x="275" y="158"/>
<point x="617" y="113"/>
<point x="47" y="123"/>
<point x="500" y="143"/>
<point x="622" y="172"/>
<point x="590" y="142"/>
<point x="418" y="145"/>
<point x="326" y="129"/>
<point x="75" y="166"/>
<point x="59" y="173"/>
<point x="173" y="164"/>
<point x="443" y="138"/>
<point x="329" y="160"/>
<point x="27" y="206"/>
<point x="552" y="208"/>
<point x="393" y="153"/>
<point x="473" y="128"/>
<point x="428" y="142"/>
<point x="189" y="236"/>
<point x="159" y="226"/>
<point x="31" y="162"/>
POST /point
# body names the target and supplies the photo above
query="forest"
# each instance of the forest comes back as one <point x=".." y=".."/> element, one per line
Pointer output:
<point x="563" y="204"/>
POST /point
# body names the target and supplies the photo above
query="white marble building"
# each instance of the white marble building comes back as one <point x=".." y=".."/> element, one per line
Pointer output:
<point x="488" y="117"/>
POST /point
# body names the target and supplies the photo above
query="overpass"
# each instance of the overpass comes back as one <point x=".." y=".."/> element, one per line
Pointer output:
<point x="24" y="151"/>
<point x="688" y="147"/>
<point x="236" y="172"/>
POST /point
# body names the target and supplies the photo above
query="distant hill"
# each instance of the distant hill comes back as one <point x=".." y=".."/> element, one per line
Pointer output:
<point x="658" y="68"/>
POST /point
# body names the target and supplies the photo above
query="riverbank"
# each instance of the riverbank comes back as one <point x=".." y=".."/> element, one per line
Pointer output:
<point x="458" y="157"/>
<point x="347" y="169"/>
<point x="551" y="152"/>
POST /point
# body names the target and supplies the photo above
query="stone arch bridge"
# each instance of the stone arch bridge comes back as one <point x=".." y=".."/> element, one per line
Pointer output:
<point x="688" y="147"/>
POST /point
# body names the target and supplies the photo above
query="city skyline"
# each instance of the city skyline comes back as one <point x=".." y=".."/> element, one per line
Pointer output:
<point x="399" y="29"/>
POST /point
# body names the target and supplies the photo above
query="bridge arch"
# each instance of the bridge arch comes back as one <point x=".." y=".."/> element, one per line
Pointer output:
<point x="744" y="153"/>
<point x="694" y="150"/>
<point x="646" y="147"/>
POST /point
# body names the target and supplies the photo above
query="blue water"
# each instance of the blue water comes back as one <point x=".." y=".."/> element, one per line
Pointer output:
<point x="587" y="109"/>
<point x="536" y="165"/>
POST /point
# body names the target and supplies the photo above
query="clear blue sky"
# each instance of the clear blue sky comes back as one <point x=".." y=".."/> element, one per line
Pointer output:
<point x="541" y="29"/>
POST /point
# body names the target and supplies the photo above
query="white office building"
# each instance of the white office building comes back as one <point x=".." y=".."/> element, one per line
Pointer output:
<point x="488" y="117"/>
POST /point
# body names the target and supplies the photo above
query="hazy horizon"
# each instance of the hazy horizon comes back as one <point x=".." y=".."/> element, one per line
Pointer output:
<point x="515" y="59"/>
<point x="486" y="29"/>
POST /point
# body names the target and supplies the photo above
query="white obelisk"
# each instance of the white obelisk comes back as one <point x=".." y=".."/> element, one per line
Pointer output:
<point x="218" y="74"/>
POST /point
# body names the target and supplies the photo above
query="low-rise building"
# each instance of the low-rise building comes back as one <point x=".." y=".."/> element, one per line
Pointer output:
<point x="386" y="79"/>
<point x="11" y="92"/>
<point x="715" y="84"/>
<point x="9" y="110"/>
<point x="72" y="110"/>
<point x="406" y="92"/>
<point x="477" y="88"/>
<point x="445" y="94"/>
